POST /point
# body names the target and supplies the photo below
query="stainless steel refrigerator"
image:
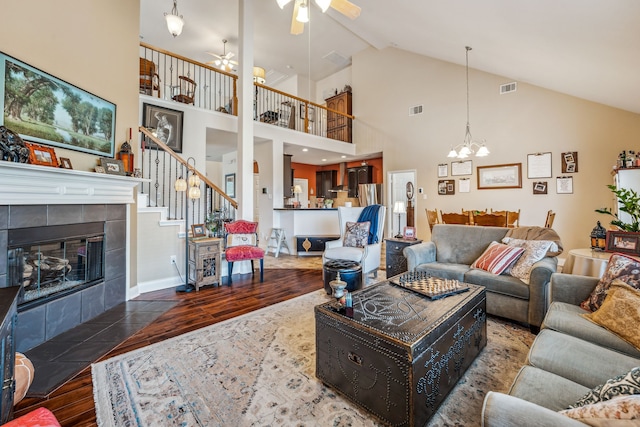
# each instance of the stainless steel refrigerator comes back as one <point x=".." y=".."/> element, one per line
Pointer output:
<point x="369" y="194"/>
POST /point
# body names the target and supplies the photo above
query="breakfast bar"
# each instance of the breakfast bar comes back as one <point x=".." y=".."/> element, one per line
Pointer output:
<point x="313" y="225"/>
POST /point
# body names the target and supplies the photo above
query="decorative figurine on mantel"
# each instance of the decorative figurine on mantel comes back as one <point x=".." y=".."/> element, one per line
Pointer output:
<point x="12" y="147"/>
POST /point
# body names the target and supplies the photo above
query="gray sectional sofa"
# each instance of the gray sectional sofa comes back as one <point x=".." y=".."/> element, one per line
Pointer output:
<point x="452" y="250"/>
<point x="569" y="357"/>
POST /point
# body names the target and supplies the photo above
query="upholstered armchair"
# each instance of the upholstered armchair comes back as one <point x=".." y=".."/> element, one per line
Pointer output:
<point x="241" y="244"/>
<point x="369" y="255"/>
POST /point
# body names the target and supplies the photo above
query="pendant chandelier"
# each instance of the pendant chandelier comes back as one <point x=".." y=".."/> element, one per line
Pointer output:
<point x="468" y="146"/>
<point x="174" y="20"/>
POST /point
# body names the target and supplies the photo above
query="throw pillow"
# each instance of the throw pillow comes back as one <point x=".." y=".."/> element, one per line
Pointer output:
<point x="617" y="408"/>
<point x="620" y="312"/>
<point x="497" y="257"/>
<point x="534" y="251"/>
<point x="619" y="267"/>
<point x="357" y="234"/>
<point x="622" y="385"/>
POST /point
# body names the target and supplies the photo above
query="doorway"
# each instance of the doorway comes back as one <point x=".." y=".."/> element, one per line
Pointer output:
<point x="400" y="213"/>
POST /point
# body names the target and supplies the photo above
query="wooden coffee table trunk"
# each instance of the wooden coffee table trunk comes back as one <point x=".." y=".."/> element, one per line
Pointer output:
<point x="401" y="353"/>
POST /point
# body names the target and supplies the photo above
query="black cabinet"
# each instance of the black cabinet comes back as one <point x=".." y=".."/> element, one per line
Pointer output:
<point x="396" y="262"/>
<point x="325" y="181"/>
<point x="287" y="183"/>
<point x="8" y="311"/>
<point x="358" y="175"/>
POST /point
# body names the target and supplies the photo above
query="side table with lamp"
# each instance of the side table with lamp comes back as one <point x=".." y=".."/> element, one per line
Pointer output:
<point x="399" y="208"/>
<point x="589" y="261"/>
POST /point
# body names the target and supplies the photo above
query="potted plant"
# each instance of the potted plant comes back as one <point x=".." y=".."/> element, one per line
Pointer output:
<point x="629" y="202"/>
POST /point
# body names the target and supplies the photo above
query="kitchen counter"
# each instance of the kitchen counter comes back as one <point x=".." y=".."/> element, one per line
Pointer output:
<point x="306" y="222"/>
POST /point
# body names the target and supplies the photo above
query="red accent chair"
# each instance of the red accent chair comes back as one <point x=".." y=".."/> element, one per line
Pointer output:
<point x="41" y="417"/>
<point x="241" y="244"/>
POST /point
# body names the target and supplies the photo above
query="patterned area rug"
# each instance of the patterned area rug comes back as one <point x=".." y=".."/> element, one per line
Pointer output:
<point x="259" y="370"/>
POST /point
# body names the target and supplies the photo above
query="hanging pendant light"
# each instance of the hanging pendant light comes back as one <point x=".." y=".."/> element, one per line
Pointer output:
<point x="468" y="146"/>
<point x="174" y="20"/>
<point x="323" y="4"/>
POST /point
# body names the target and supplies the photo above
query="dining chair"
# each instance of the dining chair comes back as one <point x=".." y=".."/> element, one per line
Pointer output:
<point x="432" y="218"/>
<point x="470" y="213"/>
<point x="551" y="215"/>
<point x="149" y="79"/>
<point x="513" y="217"/>
<point x="490" y="219"/>
<point x="455" y="218"/>
<point x="187" y="90"/>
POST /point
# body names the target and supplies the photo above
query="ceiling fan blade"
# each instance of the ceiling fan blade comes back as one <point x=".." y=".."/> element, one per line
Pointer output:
<point x="214" y="55"/>
<point x="296" y="27"/>
<point x="230" y="55"/>
<point x="347" y="8"/>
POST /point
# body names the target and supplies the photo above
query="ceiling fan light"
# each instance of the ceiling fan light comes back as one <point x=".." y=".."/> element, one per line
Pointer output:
<point x="282" y="3"/>
<point x="323" y="4"/>
<point x="303" y="13"/>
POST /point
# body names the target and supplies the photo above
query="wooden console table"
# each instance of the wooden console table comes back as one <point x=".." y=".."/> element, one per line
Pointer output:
<point x="205" y="261"/>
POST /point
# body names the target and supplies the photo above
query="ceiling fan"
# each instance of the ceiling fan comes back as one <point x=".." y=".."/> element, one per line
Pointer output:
<point x="301" y="11"/>
<point x="223" y="61"/>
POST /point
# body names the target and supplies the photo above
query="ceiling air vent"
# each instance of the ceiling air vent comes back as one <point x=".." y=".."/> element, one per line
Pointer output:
<point x="508" y="88"/>
<point x="415" y="110"/>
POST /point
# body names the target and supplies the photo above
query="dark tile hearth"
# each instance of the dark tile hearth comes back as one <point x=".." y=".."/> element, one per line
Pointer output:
<point x="61" y="358"/>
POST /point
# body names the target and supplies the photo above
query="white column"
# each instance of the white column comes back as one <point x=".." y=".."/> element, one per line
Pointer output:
<point x="244" y="184"/>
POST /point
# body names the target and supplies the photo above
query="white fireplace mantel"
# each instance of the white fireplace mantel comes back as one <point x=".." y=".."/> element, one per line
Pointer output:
<point x="25" y="184"/>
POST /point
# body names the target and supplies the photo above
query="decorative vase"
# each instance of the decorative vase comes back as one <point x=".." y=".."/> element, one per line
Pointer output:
<point x="338" y="287"/>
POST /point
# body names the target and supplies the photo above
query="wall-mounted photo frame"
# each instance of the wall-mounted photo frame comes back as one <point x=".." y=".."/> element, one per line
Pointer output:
<point x="409" y="233"/>
<point x="112" y="166"/>
<point x="54" y="113"/>
<point x="165" y="123"/>
<point x="65" y="163"/>
<point x="41" y="155"/>
<point x="463" y="167"/>
<point x="303" y="112"/>
<point x="540" y="187"/>
<point x="539" y="165"/>
<point x="564" y="185"/>
<point x="500" y="176"/>
<point x="443" y="170"/>
<point x="198" y="230"/>
<point x="624" y="242"/>
<point x="230" y="184"/>
<point x="570" y="162"/>
<point x="447" y="187"/>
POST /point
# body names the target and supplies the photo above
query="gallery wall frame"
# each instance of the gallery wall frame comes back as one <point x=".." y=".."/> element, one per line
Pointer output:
<point x="462" y="167"/>
<point x="447" y="187"/>
<point x="166" y="123"/>
<point x="539" y="165"/>
<point x="443" y="170"/>
<point x="54" y="112"/>
<point x="500" y="176"/>
<point x="230" y="184"/>
<point x="569" y="162"/>
<point x="564" y="185"/>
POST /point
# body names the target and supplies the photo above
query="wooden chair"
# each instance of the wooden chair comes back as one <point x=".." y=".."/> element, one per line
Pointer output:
<point x="149" y="79"/>
<point x="187" y="92"/>
<point x="490" y="219"/>
<point x="513" y="217"/>
<point x="551" y="215"/>
<point x="432" y="218"/>
<point x="241" y="244"/>
<point x="470" y="213"/>
<point x="455" y="218"/>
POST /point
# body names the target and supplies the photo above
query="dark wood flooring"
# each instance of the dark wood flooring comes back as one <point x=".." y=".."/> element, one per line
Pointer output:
<point x="73" y="403"/>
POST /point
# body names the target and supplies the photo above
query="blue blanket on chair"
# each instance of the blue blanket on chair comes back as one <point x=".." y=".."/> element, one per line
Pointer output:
<point x="370" y="213"/>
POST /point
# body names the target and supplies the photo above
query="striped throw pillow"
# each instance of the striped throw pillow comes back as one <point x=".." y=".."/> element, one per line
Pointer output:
<point x="497" y="257"/>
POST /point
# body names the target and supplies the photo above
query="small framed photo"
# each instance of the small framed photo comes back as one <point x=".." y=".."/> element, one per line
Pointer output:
<point x="65" y="163"/>
<point x="230" y="184"/>
<point x="540" y="187"/>
<point x="112" y="166"/>
<point x="41" y="155"/>
<point x="100" y="169"/>
<point x="198" y="230"/>
<point x="624" y="242"/>
<point x="409" y="233"/>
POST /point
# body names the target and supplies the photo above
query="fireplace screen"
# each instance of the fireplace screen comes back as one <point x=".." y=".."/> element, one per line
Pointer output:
<point x="45" y="270"/>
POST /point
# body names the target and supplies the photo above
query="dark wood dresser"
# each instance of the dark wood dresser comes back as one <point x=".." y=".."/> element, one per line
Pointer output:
<point x="396" y="262"/>
<point x="339" y="126"/>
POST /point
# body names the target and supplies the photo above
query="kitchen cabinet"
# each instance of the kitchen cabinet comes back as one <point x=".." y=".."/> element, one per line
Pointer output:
<point x="339" y="126"/>
<point x="325" y="181"/>
<point x="359" y="175"/>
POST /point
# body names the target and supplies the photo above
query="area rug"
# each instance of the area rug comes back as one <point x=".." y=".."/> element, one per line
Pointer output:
<point x="259" y="370"/>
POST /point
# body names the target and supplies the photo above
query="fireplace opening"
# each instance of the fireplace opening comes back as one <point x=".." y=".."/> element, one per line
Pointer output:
<point x="53" y="261"/>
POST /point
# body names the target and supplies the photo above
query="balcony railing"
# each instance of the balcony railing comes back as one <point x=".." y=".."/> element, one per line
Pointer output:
<point x="174" y="77"/>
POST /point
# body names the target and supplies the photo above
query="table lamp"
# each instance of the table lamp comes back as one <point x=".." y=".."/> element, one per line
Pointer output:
<point x="399" y="208"/>
<point x="297" y="189"/>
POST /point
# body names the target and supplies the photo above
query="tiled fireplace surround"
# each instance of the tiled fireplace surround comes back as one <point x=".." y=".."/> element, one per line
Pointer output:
<point x="64" y="190"/>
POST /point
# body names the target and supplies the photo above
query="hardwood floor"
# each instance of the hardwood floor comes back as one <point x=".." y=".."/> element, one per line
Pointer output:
<point x="73" y="403"/>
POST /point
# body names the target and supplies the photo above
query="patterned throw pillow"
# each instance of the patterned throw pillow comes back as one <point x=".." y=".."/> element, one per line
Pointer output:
<point x="534" y="251"/>
<point x="619" y="267"/>
<point x="357" y="234"/>
<point x="622" y="385"/>
<point x="620" y="312"/>
<point x="617" y="408"/>
<point x="497" y="257"/>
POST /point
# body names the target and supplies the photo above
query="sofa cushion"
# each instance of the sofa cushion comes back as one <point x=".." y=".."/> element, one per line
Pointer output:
<point x="567" y="318"/>
<point x="346" y="252"/>
<point x="444" y="270"/>
<point x="534" y="251"/>
<point x="620" y="312"/>
<point x="617" y="408"/>
<point x="497" y="257"/>
<point x="356" y="234"/>
<point x="506" y="285"/>
<point x="577" y="360"/>
<point x="622" y="385"/>
<point x="463" y="244"/>
<point x="546" y="389"/>
<point x="619" y="267"/>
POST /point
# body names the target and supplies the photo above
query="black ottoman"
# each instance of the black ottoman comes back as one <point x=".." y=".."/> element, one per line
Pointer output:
<point x="350" y="272"/>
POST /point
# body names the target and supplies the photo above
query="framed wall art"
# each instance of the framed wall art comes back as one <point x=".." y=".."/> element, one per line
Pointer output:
<point x="624" y="242"/>
<point x="540" y="187"/>
<point x="112" y="166"/>
<point x="165" y="123"/>
<point x="500" y="176"/>
<point x="539" y="165"/>
<point x="564" y="185"/>
<point x="41" y="155"/>
<point x="447" y="187"/>
<point x="570" y="162"/>
<point x="443" y="170"/>
<point x="54" y="113"/>
<point x="463" y="167"/>
<point x="65" y="163"/>
<point x="230" y="184"/>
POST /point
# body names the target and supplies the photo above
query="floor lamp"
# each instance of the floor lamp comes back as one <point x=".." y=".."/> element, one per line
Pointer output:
<point x="191" y="188"/>
<point x="399" y="208"/>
